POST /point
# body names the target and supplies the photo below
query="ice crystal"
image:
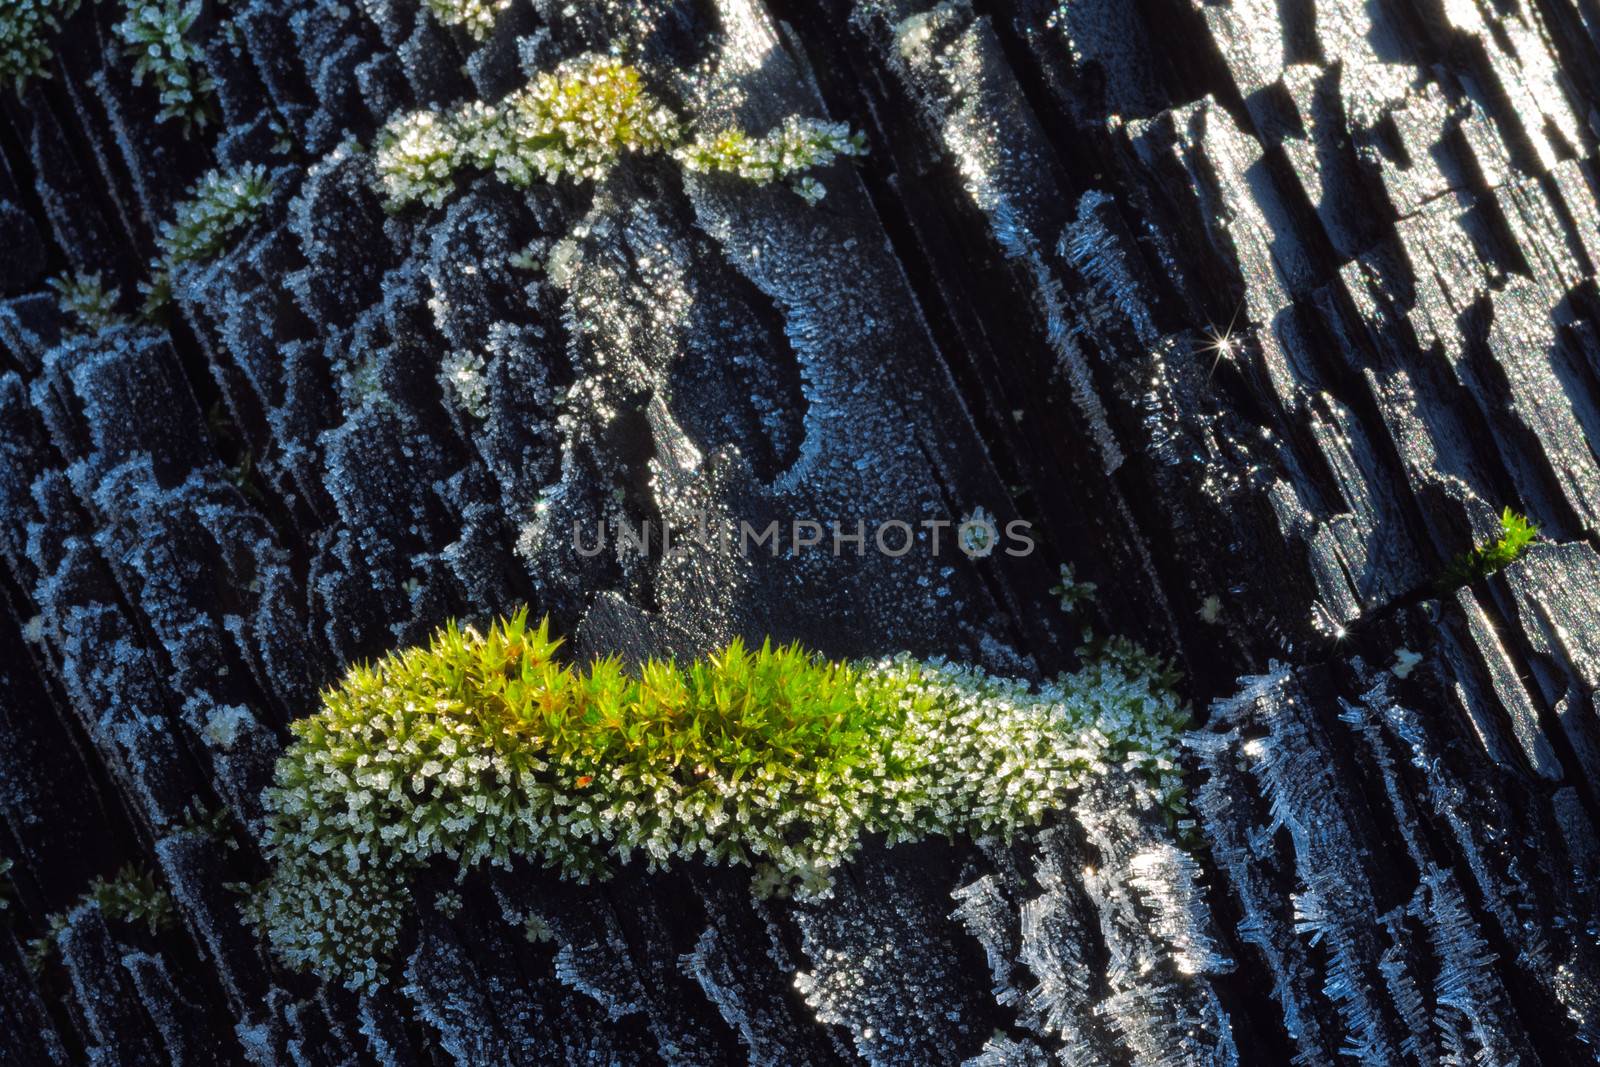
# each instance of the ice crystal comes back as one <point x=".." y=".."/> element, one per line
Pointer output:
<point x="225" y="724"/>
<point x="1405" y="661"/>
<point x="464" y="372"/>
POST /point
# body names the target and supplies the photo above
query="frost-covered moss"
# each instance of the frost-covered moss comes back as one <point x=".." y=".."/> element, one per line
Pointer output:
<point x="85" y="298"/>
<point x="158" y="36"/>
<point x="796" y="146"/>
<point x="133" y="896"/>
<point x="417" y="156"/>
<point x="27" y="37"/>
<point x="475" y="16"/>
<point x="220" y="204"/>
<point x="484" y="748"/>
<point x="574" y="123"/>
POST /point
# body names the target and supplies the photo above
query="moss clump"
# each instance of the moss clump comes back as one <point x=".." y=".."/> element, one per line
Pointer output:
<point x="475" y="16"/>
<point x="1517" y="534"/>
<point x="157" y="36"/>
<point x="85" y="298"/>
<point x="133" y="896"/>
<point x="27" y="32"/>
<point x="417" y="156"/>
<point x="796" y="146"/>
<point x="576" y="123"/>
<point x="484" y="748"/>
<point x="221" y="203"/>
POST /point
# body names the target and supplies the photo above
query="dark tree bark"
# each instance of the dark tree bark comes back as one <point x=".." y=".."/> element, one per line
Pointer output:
<point x="1258" y="313"/>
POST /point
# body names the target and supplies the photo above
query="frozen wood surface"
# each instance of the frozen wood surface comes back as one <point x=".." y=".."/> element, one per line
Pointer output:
<point x="1259" y="312"/>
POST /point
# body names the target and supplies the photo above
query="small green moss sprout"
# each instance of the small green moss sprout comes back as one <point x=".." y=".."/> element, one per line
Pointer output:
<point x="84" y="298"/>
<point x="575" y="123"/>
<point x="536" y="931"/>
<point x="484" y="748"/>
<point x="133" y="896"/>
<point x="27" y="38"/>
<point x="1517" y="534"/>
<point x="157" y="35"/>
<point x="39" y="950"/>
<point x="1072" y="590"/>
<point x="220" y="204"/>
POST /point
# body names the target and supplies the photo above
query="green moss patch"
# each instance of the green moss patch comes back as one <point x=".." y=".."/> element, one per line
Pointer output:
<point x="575" y="123"/>
<point x="484" y="748"/>
<point x="28" y="29"/>
<point x="1517" y="535"/>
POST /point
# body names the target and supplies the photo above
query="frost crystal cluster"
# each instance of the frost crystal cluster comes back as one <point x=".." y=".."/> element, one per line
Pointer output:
<point x="475" y="16"/>
<point x="482" y="747"/>
<point x="26" y="29"/>
<point x="575" y="123"/>
<point x="157" y="37"/>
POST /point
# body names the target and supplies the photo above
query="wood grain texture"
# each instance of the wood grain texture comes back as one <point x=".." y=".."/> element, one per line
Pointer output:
<point x="1388" y="209"/>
